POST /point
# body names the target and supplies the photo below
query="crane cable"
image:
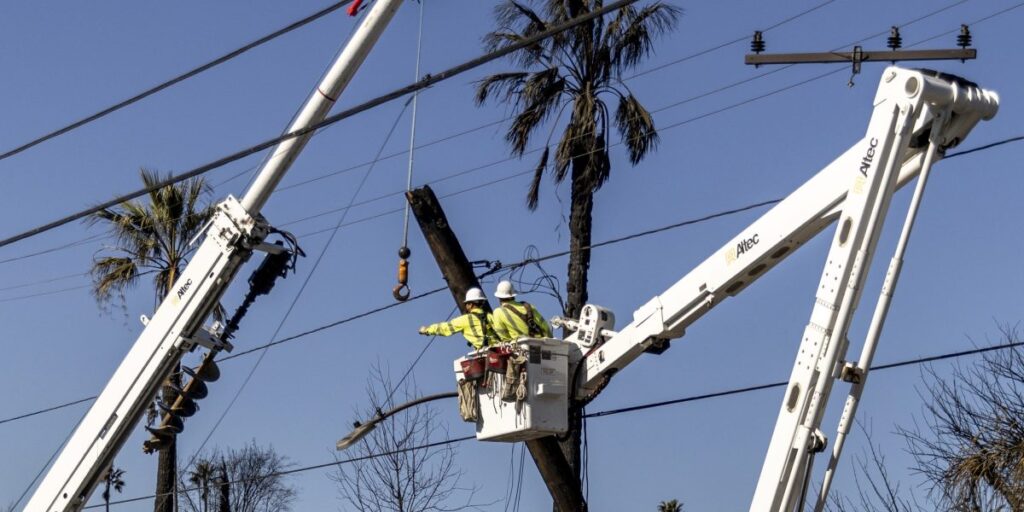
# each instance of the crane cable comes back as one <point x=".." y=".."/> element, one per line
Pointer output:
<point x="401" y="290"/>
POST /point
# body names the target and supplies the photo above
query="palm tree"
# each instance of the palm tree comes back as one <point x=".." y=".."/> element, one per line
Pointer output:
<point x="576" y="71"/>
<point x="151" y="238"/>
<point x="201" y="476"/>
<point x="113" y="479"/>
<point x="670" y="506"/>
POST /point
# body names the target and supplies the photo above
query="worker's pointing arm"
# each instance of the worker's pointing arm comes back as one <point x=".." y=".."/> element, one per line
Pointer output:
<point x="443" y="328"/>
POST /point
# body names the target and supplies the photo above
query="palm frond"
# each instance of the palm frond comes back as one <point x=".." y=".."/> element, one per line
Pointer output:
<point x="506" y="85"/>
<point x="539" y="98"/>
<point x="533" y="196"/>
<point x="636" y="125"/>
<point x="112" y="276"/>
<point x="630" y="37"/>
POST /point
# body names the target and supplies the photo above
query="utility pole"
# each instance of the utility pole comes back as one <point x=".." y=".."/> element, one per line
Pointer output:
<point x="458" y="272"/>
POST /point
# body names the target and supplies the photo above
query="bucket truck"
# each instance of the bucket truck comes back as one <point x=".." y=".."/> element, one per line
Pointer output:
<point x="917" y="116"/>
<point x="179" y="325"/>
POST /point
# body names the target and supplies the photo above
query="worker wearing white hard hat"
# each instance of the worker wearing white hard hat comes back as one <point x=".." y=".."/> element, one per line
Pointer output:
<point x="515" y="319"/>
<point x="476" y="325"/>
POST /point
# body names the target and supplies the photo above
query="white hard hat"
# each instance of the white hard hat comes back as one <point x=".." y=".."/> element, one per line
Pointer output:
<point x="505" y="290"/>
<point x="475" y="295"/>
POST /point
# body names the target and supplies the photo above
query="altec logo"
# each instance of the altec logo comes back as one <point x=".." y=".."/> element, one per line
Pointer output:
<point x="184" y="288"/>
<point x="865" y="163"/>
<point x="746" y="245"/>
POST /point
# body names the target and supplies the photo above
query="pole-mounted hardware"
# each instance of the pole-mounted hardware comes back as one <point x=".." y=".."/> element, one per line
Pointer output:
<point x="893" y="54"/>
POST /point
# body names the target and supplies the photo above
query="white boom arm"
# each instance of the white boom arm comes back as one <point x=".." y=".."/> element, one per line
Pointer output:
<point x="177" y="327"/>
<point x="917" y="116"/>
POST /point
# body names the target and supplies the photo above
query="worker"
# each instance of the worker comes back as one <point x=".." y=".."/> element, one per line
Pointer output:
<point x="514" y="320"/>
<point x="476" y="325"/>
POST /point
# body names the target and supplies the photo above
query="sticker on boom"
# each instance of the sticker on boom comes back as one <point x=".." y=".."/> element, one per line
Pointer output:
<point x="742" y="247"/>
<point x="184" y="288"/>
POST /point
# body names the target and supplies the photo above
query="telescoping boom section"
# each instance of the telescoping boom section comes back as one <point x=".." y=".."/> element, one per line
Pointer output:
<point x="917" y="116"/>
<point x="180" y="323"/>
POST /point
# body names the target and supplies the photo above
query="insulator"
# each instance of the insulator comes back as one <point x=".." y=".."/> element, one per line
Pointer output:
<point x="757" y="43"/>
<point x="964" y="39"/>
<point x="895" y="41"/>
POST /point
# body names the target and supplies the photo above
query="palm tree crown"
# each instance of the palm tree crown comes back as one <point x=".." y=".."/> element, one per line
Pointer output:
<point x="149" y="238"/>
<point x="112" y="479"/>
<point x="670" y="506"/>
<point x="576" y="70"/>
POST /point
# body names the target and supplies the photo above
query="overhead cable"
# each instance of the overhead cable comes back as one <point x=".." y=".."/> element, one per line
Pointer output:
<point x="599" y="414"/>
<point x="180" y="78"/>
<point x="423" y="83"/>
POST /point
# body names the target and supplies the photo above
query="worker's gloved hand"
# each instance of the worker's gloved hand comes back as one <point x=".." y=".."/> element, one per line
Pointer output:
<point x="423" y="331"/>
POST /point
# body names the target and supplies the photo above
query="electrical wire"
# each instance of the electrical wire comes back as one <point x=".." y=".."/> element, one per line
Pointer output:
<point x="44" y="281"/>
<point x="180" y="78"/>
<point x="303" y="469"/>
<point x="390" y="305"/>
<point x="305" y="282"/>
<point x="497" y="122"/>
<point x="45" y="294"/>
<point x="609" y="412"/>
<point x="975" y="22"/>
<point x="48" y="462"/>
<point x="759" y="387"/>
<point x="427" y="81"/>
<point x="493" y="123"/>
<point x="415" y="362"/>
<point x="556" y="255"/>
<point x="523" y="263"/>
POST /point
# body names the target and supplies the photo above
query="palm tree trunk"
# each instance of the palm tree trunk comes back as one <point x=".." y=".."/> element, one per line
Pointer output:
<point x="580" y="225"/>
<point x="225" y="489"/>
<point x="167" y="460"/>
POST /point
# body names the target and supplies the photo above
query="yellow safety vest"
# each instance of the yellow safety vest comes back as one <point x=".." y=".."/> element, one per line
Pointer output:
<point x="477" y="327"/>
<point x="514" y="320"/>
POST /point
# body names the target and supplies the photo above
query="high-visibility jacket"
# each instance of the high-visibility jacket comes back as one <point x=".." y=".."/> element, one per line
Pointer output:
<point x="477" y="327"/>
<point x="516" y="319"/>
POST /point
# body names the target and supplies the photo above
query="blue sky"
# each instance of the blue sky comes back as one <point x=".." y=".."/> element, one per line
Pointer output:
<point x="63" y="60"/>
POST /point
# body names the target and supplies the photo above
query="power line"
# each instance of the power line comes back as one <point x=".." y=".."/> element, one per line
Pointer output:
<point x="599" y="414"/>
<point x="411" y="299"/>
<point x="303" y="469"/>
<point x="977" y="21"/>
<point x="427" y="81"/>
<point x="43" y="294"/>
<point x="493" y="123"/>
<point x="645" y="72"/>
<point x="509" y="266"/>
<point x="44" y="281"/>
<point x="305" y="282"/>
<point x="48" y="409"/>
<point x="550" y="256"/>
<point x="180" y="78"/>
<point x="759" y="387"/>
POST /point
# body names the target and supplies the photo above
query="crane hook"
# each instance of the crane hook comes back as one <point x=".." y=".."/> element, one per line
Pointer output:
<point x="401" y="290"/>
